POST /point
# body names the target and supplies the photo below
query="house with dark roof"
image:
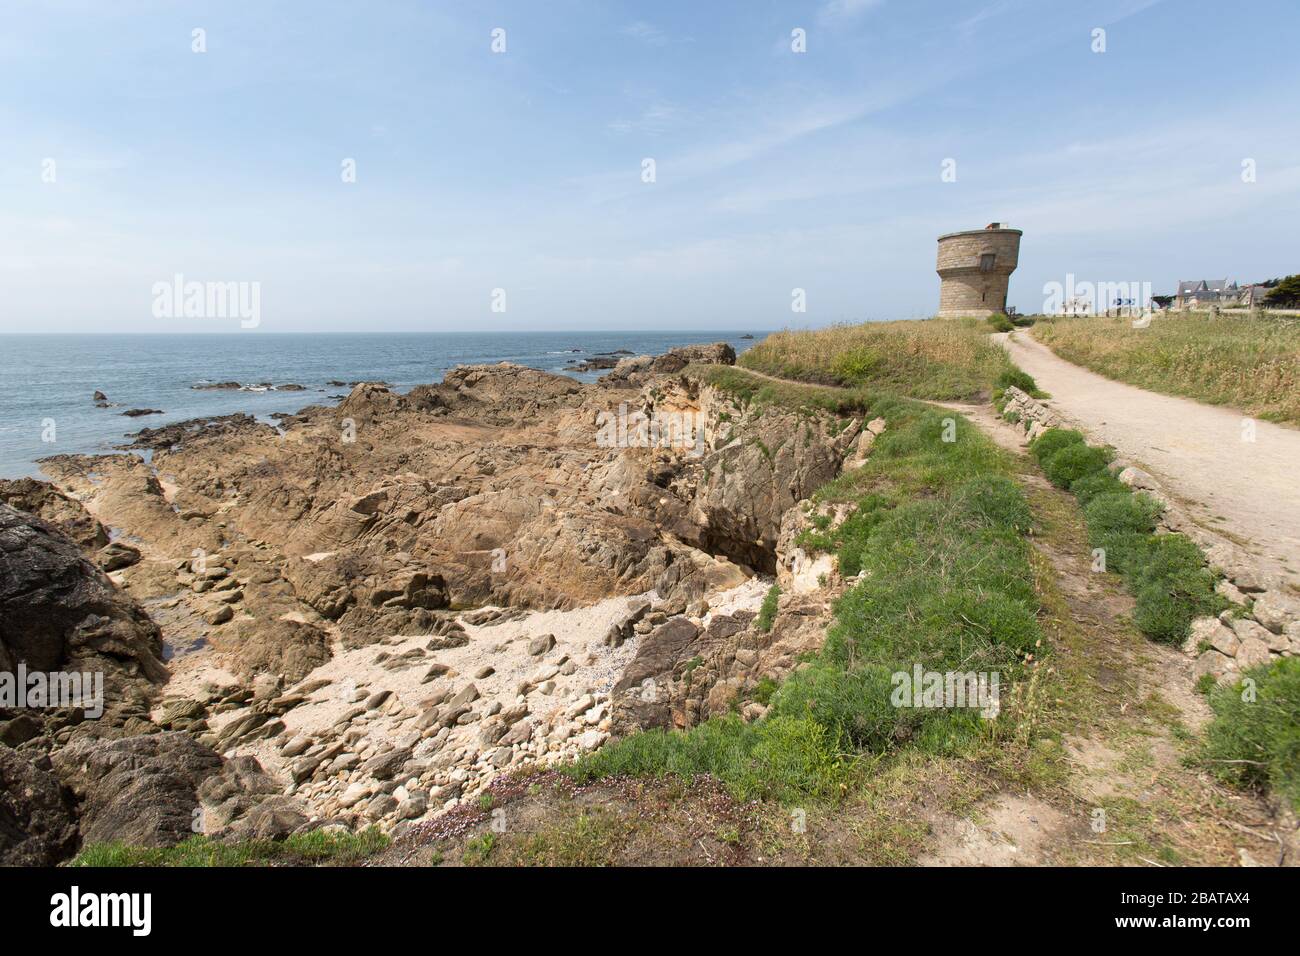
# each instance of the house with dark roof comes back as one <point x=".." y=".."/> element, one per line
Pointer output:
<point x="1206" y="293"/>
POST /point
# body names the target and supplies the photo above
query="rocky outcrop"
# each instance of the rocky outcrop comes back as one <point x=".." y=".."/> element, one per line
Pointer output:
<point x="317" y="578"/>
<point x="637" y="370"/>
<point x="43" y="500"/>
<point x="60" y="612"/>
<point x="37" y="826"/>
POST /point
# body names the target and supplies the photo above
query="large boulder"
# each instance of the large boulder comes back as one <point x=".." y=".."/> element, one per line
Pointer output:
<point x="37" y="827"/>
<point x="141" y="791"/>
<point x="70" y="516"/>
<point x="60" y="612"/>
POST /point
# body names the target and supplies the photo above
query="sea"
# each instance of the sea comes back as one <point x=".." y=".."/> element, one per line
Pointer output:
<point x="47" y="382"/>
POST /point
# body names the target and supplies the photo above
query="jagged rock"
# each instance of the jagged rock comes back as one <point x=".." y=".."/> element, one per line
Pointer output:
<point x="640" y="705"/>
<point x="1252" y="653"/>
<point x="42" y="499"/>
<point x="292" y="648"/>
<point x="59" y="612"/>
<point x="1210" y="632"/>
<point x="117" y="555"/>
<point x="1275" y="611"/>
<point x="37" y="826"/>
<point x="138" y="790"/>
<point x="386" y="766"/>
<point x="1213" y="663"/>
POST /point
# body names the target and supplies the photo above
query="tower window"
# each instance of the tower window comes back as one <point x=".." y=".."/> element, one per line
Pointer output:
<point x="987" y="260"/>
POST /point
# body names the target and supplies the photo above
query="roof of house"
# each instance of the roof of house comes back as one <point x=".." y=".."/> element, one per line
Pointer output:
<point x="1192" y="286"/>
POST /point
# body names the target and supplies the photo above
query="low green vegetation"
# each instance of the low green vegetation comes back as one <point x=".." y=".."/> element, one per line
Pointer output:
<point x="767" y="612"/>
<point x="1254" y="739"/>
<point x="1166" y="573"/>
<point x="751" y="390"/>
<point x="1248" y="363"/>
<point x="949" y="359"/>
<point x="939" y="527"/>
<point x="315" y="847"/>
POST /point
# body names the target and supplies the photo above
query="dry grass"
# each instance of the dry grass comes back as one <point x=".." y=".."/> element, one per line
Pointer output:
<point x="1251" y="364"/>
<point x="930" y="359"/>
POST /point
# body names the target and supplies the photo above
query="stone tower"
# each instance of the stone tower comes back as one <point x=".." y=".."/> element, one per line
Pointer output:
<point x="974" y="269"/>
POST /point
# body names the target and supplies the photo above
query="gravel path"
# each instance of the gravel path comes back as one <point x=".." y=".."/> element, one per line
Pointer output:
<point x="1248" y="491"/>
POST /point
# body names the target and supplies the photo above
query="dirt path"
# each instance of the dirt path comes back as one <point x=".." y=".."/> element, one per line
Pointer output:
<point x="1128" y="718"/>
<point x="1247" y="490"/>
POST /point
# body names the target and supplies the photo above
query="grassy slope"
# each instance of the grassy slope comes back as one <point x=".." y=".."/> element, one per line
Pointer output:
<point x="303" y="849"/>
<point x="1251" y="364"/>
<point x="939" y="528"/>
<point x="932" y="359"/>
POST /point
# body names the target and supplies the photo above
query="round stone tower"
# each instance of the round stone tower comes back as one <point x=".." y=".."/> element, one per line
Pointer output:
<point x="974" y="269"/>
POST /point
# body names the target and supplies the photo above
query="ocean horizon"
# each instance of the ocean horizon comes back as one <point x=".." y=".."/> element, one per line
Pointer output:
<point x="48" y="380"/>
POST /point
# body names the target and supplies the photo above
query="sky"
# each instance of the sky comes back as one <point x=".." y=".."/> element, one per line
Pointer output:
<point x="500" y="154"/>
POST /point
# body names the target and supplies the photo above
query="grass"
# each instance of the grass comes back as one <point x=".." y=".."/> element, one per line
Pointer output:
<point x="939" y="528"/>
<point x="1254" y="739"/>
<point x="1166" y="573"/>
<point x="931" y="359"/>
<point x="1251" y="364"/>
<point x="767" y="612"/>
<point x="803" y="397"/>
<point x="315" y="847"/>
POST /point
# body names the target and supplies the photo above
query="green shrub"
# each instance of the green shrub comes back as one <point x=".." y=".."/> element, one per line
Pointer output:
<point x="995" y="500"/>
<point x="299" y="849"/>
<point x="1173" y="587"/>
<point x="1000" y="323"/>
<point x="767" y="611"/>
<point x="1015" y="377"/>
<point x="1073" y="462"/>
<point x="1256" y="743"/>
<point x="1121" y="512"/>
<point x="1092" y="486"/>
<point x="1053" y="440"/>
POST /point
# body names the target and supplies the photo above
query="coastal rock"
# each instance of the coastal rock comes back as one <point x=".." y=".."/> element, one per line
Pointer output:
<point x="37" y="826"/>
<point x="42" y="499"/>
<point x="59" y="612"/>
<point x="138" y="790"/>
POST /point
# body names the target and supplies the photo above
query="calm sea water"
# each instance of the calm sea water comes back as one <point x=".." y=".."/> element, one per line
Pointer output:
<point x="48" y="379"/>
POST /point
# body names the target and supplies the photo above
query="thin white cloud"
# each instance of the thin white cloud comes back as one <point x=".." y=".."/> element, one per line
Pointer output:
<point x="646" y="33"/>
<point x="839" y="10"/>
<point x="653" y="120"/>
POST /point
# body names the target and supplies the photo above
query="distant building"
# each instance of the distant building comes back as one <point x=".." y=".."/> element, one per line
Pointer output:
<point x="1207" y="293"/>
<point x="975" y="269"/>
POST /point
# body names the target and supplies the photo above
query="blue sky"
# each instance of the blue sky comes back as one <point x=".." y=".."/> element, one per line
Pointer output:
<point x="522" y="170"/>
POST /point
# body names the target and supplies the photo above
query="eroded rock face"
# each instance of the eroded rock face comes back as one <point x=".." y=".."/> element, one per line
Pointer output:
<point x="364" y="530"/>
<point x="43" y="500"/>
<point x="58" y="611"/>
<point x="37" y="827"/>
<point x="160" y="789"/>
<point x="141" y="791"/>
